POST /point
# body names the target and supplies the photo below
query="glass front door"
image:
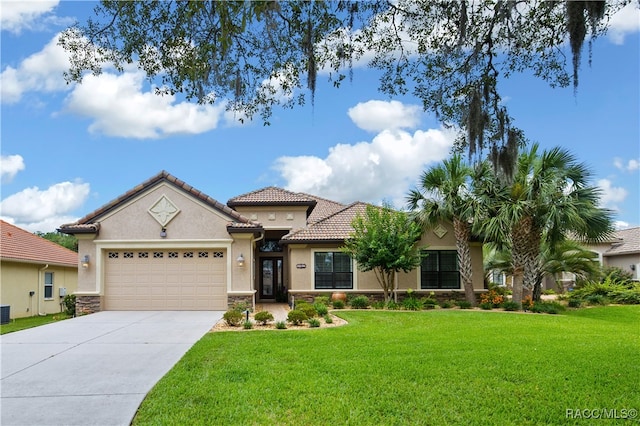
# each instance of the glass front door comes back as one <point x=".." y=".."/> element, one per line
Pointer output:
<point x="270" y="277"/>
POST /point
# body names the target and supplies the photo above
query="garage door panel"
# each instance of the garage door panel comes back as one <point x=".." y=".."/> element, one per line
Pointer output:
<point x="165" y="280"/>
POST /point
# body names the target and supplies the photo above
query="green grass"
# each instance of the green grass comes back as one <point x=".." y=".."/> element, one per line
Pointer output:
<point x="409" y="368"/>
<point x="29" y="322"/>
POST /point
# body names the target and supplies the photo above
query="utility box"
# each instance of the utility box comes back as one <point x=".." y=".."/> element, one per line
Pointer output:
<point x="63" y="291"/>
<point x="5" y="314"/>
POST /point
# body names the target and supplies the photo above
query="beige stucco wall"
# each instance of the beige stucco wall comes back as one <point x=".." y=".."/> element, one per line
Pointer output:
<point x="197" y="225"/>
<point x="302" y="279"/>
<point x="276" y="217"/>
<point x="624" y="262"/>
<point x="18" y="279"/>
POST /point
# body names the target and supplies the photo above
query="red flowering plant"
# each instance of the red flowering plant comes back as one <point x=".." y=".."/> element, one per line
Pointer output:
<point x="527" y="303"/>
<point x="492" y="297"/>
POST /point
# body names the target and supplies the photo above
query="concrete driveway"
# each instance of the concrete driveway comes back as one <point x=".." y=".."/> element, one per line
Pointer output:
<point x="95" y="369"/>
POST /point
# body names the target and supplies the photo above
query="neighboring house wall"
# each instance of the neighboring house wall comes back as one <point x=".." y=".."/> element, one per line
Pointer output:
<point x="19" y="279"/>
<point x="629" y="262"/>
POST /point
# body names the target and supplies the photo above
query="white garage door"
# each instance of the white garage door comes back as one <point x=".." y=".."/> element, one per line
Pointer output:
<point x="165" y="280"/>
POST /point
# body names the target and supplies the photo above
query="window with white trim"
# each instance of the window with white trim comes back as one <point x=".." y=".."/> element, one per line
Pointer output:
<point x="332" y="270"/>
<point x="48" y="285"/>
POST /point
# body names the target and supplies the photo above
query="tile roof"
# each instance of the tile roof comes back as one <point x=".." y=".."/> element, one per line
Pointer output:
<point x="626" y="241"/>
<point x="23" y="246"/>
<point x="334" y="228"/>
<point x="324" y="208"/>
<point x="272" y="195"/>
<point x="81" y="226"/>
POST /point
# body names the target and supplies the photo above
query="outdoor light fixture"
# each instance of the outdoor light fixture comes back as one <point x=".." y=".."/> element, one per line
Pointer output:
<point x="163" y="233"/>
<point x="85" y="261"/>
<point x="240" y="260"/>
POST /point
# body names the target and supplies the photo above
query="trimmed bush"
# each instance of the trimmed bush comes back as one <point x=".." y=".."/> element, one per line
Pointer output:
<point x="233" y="317"/>
<point x="242" y="307"/>
<point x="328" y="319"/>
<point x="297" y="317"/>
<point x="281" y="325"/>
<point x="487" y="306"/>
<point x="263" y="317"/>
<point x="547" y="307"/>
<point x="338" y="304"/>
<point x="446" y="304"/>
<point x="248" y="325"/>
<point x="360" y="302"/>
<point x="307" y="308"/>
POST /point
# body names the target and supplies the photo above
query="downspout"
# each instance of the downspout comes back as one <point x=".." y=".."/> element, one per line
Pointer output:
<point x="41" y="286"/>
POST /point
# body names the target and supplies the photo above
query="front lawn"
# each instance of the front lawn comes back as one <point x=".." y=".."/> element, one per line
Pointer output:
<point x="410" y="368"/>
<point x="29" y="322"/>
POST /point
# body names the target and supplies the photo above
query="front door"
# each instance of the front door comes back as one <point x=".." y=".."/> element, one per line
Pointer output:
<point x="270" y="277"/>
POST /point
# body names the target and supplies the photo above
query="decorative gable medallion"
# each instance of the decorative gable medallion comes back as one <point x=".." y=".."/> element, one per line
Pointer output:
<point x="163" y="211"/>
<point x="440" y="231"/>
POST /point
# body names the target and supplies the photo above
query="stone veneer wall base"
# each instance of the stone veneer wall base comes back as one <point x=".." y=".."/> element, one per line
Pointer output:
<point x="87" y="305"/>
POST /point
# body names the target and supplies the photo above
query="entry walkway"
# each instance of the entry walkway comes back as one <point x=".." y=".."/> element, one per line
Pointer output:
<point x="278" y="310"/>
<point x="95" y="369"/>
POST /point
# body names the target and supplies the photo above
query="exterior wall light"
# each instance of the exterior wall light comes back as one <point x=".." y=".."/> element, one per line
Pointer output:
<point x="240" y="260"/>
<point x="85" y="261"/>
<point x="163" y="233"/>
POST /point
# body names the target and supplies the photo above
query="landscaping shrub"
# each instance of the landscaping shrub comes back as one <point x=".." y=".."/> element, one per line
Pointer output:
<point x="510" y="306"/>
<point x="241" y="307"/>
<point x="321" y="309"/>
<point x="463" y="304"/>
<point x="281" y="325"/>
<point x="313" y="322"/>
<point x="360" y="302"/>
<point x="233" y="317"/>
<point x="248" y="325"/>
<point x="596" y="299"/>
<point x="69" y="303"/>
<point x="491" y="297"/>
<point x="263" y="317"/>
<point x="527" y="303"/>
<point x="487" y="306"/>
<point x="378" y="304"/>
<point x="446" y="304"/>
<point x="429" y="302"/>
<point x="574" y="303"/>
<point x="297" y="317"/>
<point x="412" y="304"/>
<point x="610" y="290"/>
<point x="322" y="299"/>
<point x="392" y="305"/>
<point x="328" y="319"/>
<point x="307" y="308"/>
<point x="547" y="307"/>
<point x="338" y="304"/>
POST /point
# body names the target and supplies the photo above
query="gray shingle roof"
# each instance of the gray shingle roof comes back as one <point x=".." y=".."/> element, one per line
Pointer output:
<point x="626" y="241"/>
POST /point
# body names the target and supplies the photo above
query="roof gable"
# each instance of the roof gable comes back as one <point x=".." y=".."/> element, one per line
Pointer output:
<point x="87" y="223"/>
<point x="272" y="196"/>
<point x="20" y="245"/>
<point x="334" y="228"/>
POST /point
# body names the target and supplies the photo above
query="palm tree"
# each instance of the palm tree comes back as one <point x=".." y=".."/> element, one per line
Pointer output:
<point x="547" y="200"/>
<point x="444" y="195"/>
<point x="565" y="256"/>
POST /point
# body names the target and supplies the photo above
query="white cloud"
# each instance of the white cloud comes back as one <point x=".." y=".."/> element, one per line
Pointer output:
<point x="611" y="195"/>
<point x="631" y="165"/>
<point x="375" y="116"/>
<point x="619" y="224"/>
<point x="625" y="22"/>
<point x="18" y="15"/>
<point x="384" y="168"/>
<point x="119" y="107"/>
<point x="10" y="165"/>
<point x="41" y="72"/>
<point x="33" y="206"/>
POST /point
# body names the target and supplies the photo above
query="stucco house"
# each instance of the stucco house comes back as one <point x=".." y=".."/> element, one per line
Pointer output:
<point x="621" y="251"/>
<point x="35" y="273"/>
<point x="164" y="245"/>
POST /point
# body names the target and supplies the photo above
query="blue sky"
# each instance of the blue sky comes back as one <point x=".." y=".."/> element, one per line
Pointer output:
<point x="68" y="149"/>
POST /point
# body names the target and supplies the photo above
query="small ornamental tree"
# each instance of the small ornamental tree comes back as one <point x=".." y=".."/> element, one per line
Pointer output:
<point x="384" y="241"/>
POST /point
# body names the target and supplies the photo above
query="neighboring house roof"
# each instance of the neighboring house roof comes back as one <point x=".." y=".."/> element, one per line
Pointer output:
<point x="334" y="228"/>
<point x="16" y="244"/>
<point x="89" y="224"/>
<point x="626" y="241"/>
